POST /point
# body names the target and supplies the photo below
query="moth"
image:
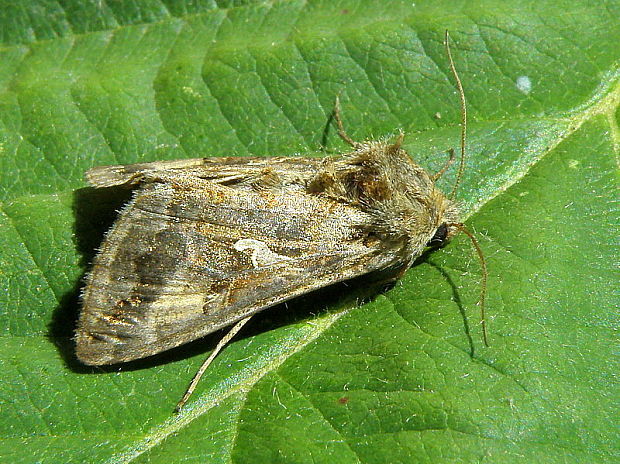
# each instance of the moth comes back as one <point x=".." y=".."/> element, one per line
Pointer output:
<point x="206" y="243"/>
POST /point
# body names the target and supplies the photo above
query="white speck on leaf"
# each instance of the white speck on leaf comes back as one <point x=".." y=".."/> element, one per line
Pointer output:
<point x="524" y="84"/>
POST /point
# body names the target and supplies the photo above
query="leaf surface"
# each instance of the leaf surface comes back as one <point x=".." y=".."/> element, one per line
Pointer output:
<point x="403" y="377"/>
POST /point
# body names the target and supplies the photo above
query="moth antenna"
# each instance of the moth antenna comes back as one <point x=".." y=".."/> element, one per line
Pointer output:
<point x="445" y="167"/>
<point x="459" y="87"/>
<point x="222" y="343"/>
<point x="341" y="132"/>
<point x="483" y="283"/>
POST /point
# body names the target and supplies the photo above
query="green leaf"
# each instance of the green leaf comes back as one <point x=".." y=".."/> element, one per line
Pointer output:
<point x="403" y="377"/>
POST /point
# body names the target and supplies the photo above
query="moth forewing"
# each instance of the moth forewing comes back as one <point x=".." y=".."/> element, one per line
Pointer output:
<point x="188" y="256"/>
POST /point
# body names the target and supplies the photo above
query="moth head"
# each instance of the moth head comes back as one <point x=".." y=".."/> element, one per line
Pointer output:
<point x="445" y="229"/>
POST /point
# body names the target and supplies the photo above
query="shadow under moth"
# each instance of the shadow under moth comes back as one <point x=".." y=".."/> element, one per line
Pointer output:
<point x="206" y="243"/>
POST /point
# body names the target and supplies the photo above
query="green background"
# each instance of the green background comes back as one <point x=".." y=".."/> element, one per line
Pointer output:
<point x="403" y="377"/>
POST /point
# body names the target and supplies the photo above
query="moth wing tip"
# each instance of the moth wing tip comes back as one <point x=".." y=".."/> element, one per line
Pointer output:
<point x="93" y="349"/>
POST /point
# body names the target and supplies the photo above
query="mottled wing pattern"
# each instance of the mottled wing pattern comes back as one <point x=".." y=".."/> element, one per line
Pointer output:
<point x="189" y="256"/>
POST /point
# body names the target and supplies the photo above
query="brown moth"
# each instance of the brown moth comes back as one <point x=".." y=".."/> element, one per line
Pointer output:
<point x="206" y="243"/>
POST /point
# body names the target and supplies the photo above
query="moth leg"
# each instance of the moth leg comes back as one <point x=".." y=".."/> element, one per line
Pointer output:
<point x="445" y="167"/>
<point x="341" y="132"/>
<point x="223" y="342"/>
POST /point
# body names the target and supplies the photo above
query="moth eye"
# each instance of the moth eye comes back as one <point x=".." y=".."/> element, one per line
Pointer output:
<point x="440" y="236"/>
